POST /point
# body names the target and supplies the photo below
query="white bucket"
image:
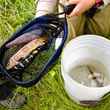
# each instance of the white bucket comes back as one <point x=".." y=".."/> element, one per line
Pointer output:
<point x="80" y="53"/>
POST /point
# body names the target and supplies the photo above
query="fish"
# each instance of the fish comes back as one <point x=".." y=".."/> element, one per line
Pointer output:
<point x="25" y="51"/>
<point x="25" y="38"/>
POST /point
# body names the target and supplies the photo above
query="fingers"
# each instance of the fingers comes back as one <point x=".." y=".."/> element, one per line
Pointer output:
<point x="73" y="1"/>
<point x="81" y="7"/>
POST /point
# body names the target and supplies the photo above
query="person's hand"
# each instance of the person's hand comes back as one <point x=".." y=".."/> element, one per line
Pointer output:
<point x="81" y="6"/>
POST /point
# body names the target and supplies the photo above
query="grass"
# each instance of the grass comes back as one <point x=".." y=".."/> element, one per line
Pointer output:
<point x="49" y="93"/>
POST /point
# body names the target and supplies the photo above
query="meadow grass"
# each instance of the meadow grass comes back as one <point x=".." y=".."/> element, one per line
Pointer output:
<point x="49" y="93"/>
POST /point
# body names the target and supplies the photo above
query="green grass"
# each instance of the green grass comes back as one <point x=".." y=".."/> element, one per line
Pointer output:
<point x="49" y="93"/>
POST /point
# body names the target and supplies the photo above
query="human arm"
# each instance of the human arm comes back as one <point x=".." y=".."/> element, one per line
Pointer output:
<point x="45" y="7"/>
